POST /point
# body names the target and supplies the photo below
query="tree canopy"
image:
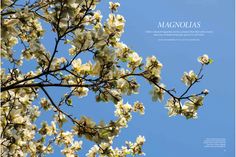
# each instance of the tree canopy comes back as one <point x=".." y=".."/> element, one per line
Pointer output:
<point x="110" y="71"/>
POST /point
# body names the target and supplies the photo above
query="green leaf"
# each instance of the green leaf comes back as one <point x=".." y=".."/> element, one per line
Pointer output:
<point x="211" y="61"/>
<point x="69" y="101"/>
<point x="123" y="59"/>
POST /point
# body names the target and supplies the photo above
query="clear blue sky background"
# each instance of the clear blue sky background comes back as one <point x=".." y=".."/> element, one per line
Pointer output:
<point x="175" y="137"/>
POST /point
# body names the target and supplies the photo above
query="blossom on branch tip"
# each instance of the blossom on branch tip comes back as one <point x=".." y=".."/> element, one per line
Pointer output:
<point x="189" y="78"/>
<point x="114" y="6"/>
<point x="204" y="59"/>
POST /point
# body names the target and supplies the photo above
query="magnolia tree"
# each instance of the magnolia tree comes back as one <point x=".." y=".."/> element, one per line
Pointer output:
<point x="110" y="74"/>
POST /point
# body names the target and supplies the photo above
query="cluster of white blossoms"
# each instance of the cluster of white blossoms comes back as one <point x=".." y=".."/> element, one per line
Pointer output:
<point x="71" y="147"/>
<point x="190" y="107"/>
<point x="23" y="24"/>
<point x="110" y="71"/>
<point x="130" y="149"/>
<point x="174" y="107"/>
<point x="80" y="68"/>
<point x="189" y="110"/>
<point x="123" y="111"/>
<point x="71" y="151"/>
<point x="17" y="122"/>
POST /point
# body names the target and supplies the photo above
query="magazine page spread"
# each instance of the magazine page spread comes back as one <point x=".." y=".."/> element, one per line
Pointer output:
<point x="121" y="78"/>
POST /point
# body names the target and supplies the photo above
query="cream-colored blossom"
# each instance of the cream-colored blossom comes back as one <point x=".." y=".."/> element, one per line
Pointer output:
<point x="158" y="92"/>
<point x="80" y="91"/>
<point x="93" y="151"/>
<point x="114" y="6"/>
<point x="97" y="15"/>
<point x="138" y="107"/>
<point x="204" y="59"/>
<point x="135" y="60"/>
<point x="153" y="68"/>
<point x="174" y="107"/>
<point x="72" y="50"/>
<point x="189" y="78"/>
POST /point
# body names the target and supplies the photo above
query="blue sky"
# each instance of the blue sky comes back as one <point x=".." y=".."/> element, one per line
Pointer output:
<point x="174" y="137"/>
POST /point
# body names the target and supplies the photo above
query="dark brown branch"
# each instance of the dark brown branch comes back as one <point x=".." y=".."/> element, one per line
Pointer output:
<point x="197" y="80"/>
<point x="44" y="85"/>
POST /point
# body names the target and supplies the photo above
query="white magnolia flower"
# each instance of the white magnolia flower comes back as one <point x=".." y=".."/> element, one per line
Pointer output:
<point x="76" y="64"/>
<point x="173" y="106"/>
<point x="135" y="60"/>
<point x="138" y="106"/>
<point x="205" y="91"/>
<point x="189" y="78"/>
<point x="72" y="50"/>
<point x="158" y="93"/>
<point x="97" y="15"/>
<point x="140" y="139"/>
<point x="204" y="59"/>
<point x="80" y="91"/>
<point x="114" y="6"/>
<point x="93" y="151"/>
